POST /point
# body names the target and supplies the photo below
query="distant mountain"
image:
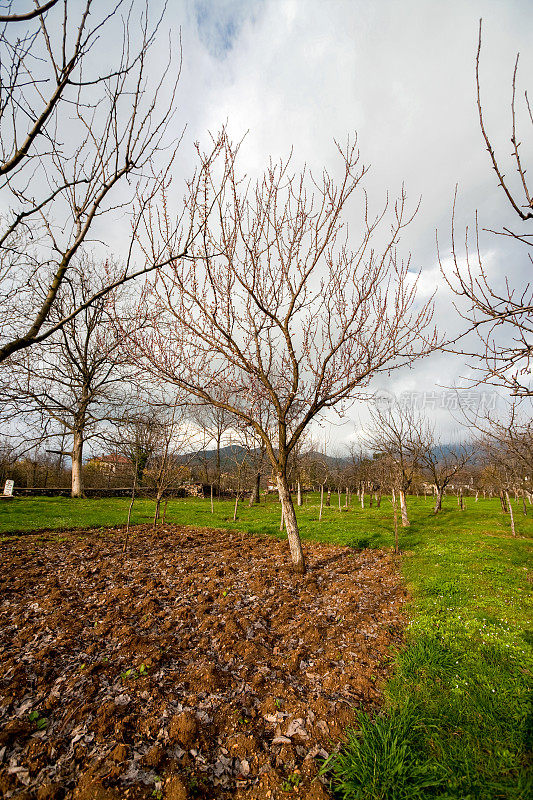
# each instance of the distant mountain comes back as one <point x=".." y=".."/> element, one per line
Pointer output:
<point x="229" y="456"/>
<point x="234" y="454"/>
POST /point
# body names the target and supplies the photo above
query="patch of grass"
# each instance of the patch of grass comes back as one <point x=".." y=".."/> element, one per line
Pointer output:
<point x="381" y="760"/>
<point x="291" y="783"/>
<point x="458" y="721"/>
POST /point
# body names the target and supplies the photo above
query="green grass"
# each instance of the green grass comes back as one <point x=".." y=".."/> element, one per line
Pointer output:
<point x="457" y="719"/>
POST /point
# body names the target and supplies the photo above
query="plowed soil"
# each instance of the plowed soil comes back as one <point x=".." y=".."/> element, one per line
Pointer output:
<point x="195" y="666"/>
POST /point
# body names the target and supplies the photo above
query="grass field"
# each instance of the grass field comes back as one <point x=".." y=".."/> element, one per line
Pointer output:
<point x="457" y="721"/>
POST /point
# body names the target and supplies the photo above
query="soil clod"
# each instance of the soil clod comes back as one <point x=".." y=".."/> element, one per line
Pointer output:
<point x="195" y="666"/>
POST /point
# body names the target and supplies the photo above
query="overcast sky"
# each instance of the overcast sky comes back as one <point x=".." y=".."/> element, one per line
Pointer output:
<point x="401" y="74"/>
<point x="300" y="73"/>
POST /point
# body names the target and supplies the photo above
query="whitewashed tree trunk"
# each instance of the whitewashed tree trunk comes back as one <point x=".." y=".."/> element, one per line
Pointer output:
<point x="299" y="500"/>
<point x="438" y="502"/>
<point x="362" y="497"/>
<point x="403" y="507"/>
<point x="321" y="502"/>
<point x="513" y="530"/>
<point x="291" y="525"/>
<point x="77" y="465"/>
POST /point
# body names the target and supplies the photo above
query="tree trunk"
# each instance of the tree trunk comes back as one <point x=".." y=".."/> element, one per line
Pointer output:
<point x="328" y="498"/>
<point x="403" y="506"/>
<point x="347" y="501"/>
<point x="362" y="496"/>
<point x="217" y="467"/>
<point x="291" y="524"/>
<point x="513" y="530"/>
<point x="157" y="506"/>
<point x="378" y="499"/>
<point x="438" y="502"/>
<point x="255" y="496"/>
<point x="299" y="500"/>
<point x="212" y="507"/>
<point x="524" y="507"/>
<point x="503" y="503"/>
<point x="77" y="462"/>
<point x="321" y="502"/>
<point x="130" y="509"/>
<point x="236" y="507"/>
<point x="339" y="493"/>
<point x="396" y="546"/>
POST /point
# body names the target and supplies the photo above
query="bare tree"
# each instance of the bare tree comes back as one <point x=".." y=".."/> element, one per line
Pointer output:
<point x="507" y="447"/>
<point x="255" y="459"/>
<point x="72" y="133"/>
<point x="502" y="318"/>
<point x="395" y="433"/>
<point x="296" y="464"/>
<point x="135" y="436"/>
<point x="272" y="307"/>
<point x="214" y="423"/>
<point x="72" y="378"/>
<point x="168" y="463"/>
<point x="441" y="463"/>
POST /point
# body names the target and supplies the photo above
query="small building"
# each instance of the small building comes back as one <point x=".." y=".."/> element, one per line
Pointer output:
<point x="111" y="465"/>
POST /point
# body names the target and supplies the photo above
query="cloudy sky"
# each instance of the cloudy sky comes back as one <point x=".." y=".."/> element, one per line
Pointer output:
<point x="401" y="74"/>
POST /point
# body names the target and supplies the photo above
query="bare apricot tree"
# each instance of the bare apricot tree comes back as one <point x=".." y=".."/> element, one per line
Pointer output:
<point x="74" y="129"/>
<point x="506" y="444"/>
<point x="215" y="425"/>
<point x="395" y="433"/>
<point x="502" y="318"/>
<point x="273" y="307"/>
<point x="73" y="378"/>
<point x="168" y="465"/>
<point x="441" y="464"/>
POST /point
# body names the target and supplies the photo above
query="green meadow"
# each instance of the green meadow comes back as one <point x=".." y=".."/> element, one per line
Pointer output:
<point x="457" y="719"/>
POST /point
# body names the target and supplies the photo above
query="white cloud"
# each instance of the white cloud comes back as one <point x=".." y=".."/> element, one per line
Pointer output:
<point x="301" y="72"/>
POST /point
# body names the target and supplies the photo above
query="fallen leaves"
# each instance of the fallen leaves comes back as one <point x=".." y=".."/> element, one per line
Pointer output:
<point x="197" y="665"/>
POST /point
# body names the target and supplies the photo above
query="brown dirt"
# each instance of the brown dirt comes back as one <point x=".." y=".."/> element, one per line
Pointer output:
<point x="197" y="666"/>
